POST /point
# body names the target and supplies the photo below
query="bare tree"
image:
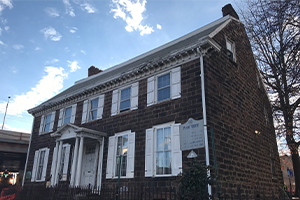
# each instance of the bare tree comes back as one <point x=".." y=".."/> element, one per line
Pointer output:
<point x="273" y="28"/>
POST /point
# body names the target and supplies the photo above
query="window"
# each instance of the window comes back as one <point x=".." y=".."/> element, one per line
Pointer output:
<point x="164" y="86"/>
<point x="92" y="109"/>
<point x="62" y="173"/>
<point x="40" y="165"/>
<point x="230" y="50"/>
<point x="47" y="122"/>
<point x="163" y="156"/>
<point x="121" y="155"/>
<point x="125" y="99"/>
<point x="67" y="115"/>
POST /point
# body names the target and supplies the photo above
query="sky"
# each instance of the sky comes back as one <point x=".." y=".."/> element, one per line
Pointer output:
<point x="48" y="45"/>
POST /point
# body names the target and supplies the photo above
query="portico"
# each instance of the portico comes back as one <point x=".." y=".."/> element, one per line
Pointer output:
<point x="77" y="156"/>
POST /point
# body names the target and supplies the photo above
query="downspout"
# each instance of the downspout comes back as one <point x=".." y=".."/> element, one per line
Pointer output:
<point x="201" y="53"/>
<point x="25" y="169"/>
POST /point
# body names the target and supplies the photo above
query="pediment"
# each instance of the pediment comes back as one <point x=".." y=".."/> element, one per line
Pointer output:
<point x="68" y="131"/>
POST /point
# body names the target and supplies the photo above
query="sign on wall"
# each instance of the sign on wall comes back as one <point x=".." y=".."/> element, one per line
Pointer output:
<point x="191" y="135"/>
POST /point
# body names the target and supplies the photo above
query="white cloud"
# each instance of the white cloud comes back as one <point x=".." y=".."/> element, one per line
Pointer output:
<point x="0" y="31"/>
<point x="6" y="28"/>
<point x="69" y="9"/>
<point x="73" y="65"/>
<point x="52" y="12"/>
<point x="18" y="46"/>
<point x="47" y="87"/>
<point x="82" y="51"/>
<point x="131" y="12"/>
<point x="51" y="62"/>
<point x="51" y="33"/>
<point x="73" y="30"/>
<point x="2" y="43"/>
<point x="37" y="48"/>
<point x="5" y="3"/>
<point x="158" y="26"/>
<point x="88" y="7"/>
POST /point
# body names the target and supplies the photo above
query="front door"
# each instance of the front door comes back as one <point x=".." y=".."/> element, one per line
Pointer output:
<point x="89" y="165"/>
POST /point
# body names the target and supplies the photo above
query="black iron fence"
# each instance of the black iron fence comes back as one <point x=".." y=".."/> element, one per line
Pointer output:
<point x="132" y="192"/>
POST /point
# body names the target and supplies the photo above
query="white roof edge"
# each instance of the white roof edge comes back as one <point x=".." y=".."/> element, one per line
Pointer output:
<point x="195" y="32"/>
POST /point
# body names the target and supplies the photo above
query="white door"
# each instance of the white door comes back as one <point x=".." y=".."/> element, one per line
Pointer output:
<point x="89" y="165"/>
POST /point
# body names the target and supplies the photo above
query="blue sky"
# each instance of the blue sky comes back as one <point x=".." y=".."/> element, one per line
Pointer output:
<point x="47" y="45"/>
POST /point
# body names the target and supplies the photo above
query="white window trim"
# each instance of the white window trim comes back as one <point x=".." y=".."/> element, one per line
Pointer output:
<point x="150" y="151"/>
<point x="43" y="123"/>
<point x="175" y="86"/>
<point x="111" y="156"/>
<point x="116" y="98"/>
<point x="232" y="44"/>
<point x="35" y="165"/>
<point x="86" y="108"/>
<point x="62" y="115"/>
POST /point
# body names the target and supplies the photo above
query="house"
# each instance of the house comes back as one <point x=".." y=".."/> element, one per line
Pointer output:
<point x="125" y="120"/>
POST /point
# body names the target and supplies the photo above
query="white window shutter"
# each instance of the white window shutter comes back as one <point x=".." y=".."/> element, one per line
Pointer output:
<point x="134" y="101"/>
<point x="42" y="124"/>
<point x="52" y="121"/>
<point x="67" y="156"/>
<point x="149" y="153"/>
<point x="176" y="152"/>
<point x="110" y="157"/>
<point x="53" y="165"/>
<point x="45" y="165"/>
<point x="100" y="106"/>
<point x="114" y="104"/>
<point x="73" y="113"/>
<point x="84" y="111"/>
<point x="61" y="113"/>
<point x="176" y="83"/>
<point x="130" y="155"/>
<point x="35" y="162"/>
<point x="150" y="91"/>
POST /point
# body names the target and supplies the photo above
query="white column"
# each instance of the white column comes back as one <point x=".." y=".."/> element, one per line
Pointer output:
<point x="54" y="165"/>
<point x="58" y="162"/>
<point x="99" y="175"/>
<point x="74" y="163"/>
<point x="79" y="163"/>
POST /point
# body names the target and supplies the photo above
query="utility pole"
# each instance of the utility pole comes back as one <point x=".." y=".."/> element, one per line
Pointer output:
<point x="5" y="112"/>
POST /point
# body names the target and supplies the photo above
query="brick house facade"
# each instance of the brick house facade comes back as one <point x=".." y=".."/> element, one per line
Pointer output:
<point x="136" y="107"/>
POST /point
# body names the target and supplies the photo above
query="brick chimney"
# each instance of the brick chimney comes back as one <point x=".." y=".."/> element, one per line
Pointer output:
<point x="93" y="70"/>
<point x="228" y="10"/>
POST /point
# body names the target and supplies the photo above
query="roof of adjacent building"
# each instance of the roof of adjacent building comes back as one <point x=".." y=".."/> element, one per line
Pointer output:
<point x="202" y="34"/>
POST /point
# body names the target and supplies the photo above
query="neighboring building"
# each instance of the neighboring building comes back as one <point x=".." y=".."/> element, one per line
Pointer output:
<point x="13" y="152"/>
<point x="136" y="107"/>
<point x="288" y="172"/>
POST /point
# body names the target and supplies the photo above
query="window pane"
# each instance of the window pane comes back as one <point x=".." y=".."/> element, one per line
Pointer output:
<point x="163" y="81"/>
<point x="67" y="117"/>
<point x="48" y="119"/>
<point x="119" y="146"/>
<point x="47" y="127"/>
<point x="160" y="139"/>
<point x="125" y="94"/>
<point x="125" y="145"/>
<point x="167" y="138"/>
<point x="167" y="163"/>
<point x="93" y="115"/>
<point x="159" y="162"/>
<point x="94" y="104"/>
<point x="40" y="165"/>
<point x="163" y="94"/>
<point x="124" y="105"/>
